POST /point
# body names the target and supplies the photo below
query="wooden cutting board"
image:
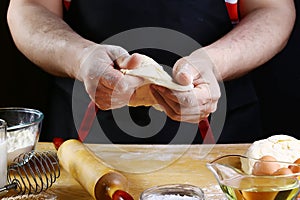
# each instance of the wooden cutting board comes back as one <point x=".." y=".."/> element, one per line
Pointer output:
<point x="150" y="165"/>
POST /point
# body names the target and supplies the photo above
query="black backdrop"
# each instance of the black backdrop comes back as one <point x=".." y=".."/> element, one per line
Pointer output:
<point x="277" y="83"/>
<point x="278" y="87"/>
<point x="22" y="83"/>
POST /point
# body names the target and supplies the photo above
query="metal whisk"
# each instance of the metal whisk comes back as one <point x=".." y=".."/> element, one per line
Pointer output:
<point x="32" y="173"/>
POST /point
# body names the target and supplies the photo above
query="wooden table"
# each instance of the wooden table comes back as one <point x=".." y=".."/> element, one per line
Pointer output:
<point x="150" y="165"/>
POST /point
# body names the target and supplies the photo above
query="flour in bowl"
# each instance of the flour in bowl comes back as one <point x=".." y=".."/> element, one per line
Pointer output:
<point x="170" y="197"/>
<point x="20" y="141"/>
<point x="3" y="163"/>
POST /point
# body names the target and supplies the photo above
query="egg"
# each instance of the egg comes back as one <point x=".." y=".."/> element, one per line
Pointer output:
<point x="297" y="161"/>
<point x="295" y="169"/>
<point x="282" y="171"/>
<point x="265" y="166"/>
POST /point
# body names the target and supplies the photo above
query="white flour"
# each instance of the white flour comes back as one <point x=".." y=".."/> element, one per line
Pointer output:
<point x="213" y="192"/>
<point x="20" y="141"/>
<point x="3" y="163"/>
<point x="32" y="197"/>
<point x="170" y="197"/>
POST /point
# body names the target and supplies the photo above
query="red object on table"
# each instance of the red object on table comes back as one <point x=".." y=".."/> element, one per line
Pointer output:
<point x="121" y="195"/>
<point x="57" y="141"/>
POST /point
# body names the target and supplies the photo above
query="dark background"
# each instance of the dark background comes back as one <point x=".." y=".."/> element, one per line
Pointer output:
<point x="22" y="83"/>
<point x="277" y="83"/>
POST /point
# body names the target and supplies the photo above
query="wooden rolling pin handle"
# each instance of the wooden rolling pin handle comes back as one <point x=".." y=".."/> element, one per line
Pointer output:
<point x="99" y="180"/>
<point x="109" y="184"/>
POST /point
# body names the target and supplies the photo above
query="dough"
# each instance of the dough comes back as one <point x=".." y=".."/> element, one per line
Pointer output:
<point x="282" y="147"/>
<point x="152" y="73"/>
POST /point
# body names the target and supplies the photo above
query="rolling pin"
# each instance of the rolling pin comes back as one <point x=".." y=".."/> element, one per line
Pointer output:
<point x="101" y="182"/>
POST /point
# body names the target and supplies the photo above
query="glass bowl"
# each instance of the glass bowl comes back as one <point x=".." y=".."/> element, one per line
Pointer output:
<point x="244" y="178"/>
<point x="173" y="191"/>
<point x="23" y="129"/>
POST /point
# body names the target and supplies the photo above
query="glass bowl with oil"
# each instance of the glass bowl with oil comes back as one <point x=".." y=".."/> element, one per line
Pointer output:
<point x="244" y="178"/>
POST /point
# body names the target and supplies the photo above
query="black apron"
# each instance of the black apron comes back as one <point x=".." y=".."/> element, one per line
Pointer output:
<point x="204" y="21"/>
<point x="277" y="84"/>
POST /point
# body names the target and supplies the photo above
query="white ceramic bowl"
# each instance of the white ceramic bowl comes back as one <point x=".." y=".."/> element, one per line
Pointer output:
<point x="173" y="191"/>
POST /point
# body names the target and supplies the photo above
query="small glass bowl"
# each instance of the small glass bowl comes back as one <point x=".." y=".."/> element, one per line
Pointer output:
<point x="180" y="191"/>
<point x="23" y="129"/>
<point x="242" y="177"/>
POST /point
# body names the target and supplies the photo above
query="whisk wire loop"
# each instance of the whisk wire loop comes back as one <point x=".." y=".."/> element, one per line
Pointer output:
<point x="34" y="172"/>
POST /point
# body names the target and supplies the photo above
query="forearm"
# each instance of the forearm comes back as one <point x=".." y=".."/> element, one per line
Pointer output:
<point x="259" y="36"/>
<point x="45" y="38"/>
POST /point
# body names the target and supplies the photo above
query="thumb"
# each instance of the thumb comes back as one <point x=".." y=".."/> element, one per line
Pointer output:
<point x="130" y="62"/>
<point x="183" y="74"/>
<point x="117" y="54"/>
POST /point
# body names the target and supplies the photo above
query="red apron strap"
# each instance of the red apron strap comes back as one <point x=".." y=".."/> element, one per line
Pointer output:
<point x="87" y="121"/>
<point x="92" y="109"/>
<point x="67" y="4"/>
<point x="232" y="8"/>
<point x="206" y="132"/>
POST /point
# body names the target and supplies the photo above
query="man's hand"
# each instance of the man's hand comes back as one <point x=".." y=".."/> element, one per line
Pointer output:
<point x="106" y="85"/>
<point x="196" y="104"/>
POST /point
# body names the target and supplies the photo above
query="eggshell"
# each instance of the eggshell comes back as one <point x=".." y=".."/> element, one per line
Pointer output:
<point x="282" y="147"/>
<point x="265" y="168"/>
<point x="282" y="171"/>
<point x="297" y="161"/>
<point x="295" y="169"/>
